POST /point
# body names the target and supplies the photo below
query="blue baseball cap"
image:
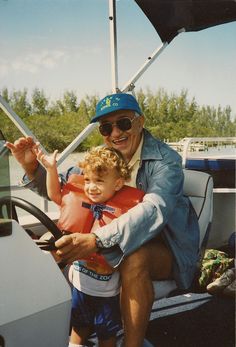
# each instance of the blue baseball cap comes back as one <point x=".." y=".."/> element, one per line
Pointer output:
<point x="115" y="102"/>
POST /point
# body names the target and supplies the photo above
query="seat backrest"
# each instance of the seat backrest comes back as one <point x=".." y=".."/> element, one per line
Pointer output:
<point x="198" y="186"/>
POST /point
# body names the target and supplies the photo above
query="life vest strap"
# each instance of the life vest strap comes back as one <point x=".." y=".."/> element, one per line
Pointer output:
<point x="98" y="209"/>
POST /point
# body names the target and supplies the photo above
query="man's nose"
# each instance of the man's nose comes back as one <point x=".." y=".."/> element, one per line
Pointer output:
<point x="115" y="130"/>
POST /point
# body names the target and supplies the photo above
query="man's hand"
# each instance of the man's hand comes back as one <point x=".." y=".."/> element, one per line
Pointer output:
<point x="23" y="150"/>
<point x="75" y="246"/>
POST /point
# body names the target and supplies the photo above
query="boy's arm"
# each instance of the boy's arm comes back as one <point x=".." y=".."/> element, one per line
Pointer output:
<point x="52" y="180"/>
<point x="53" y="185"/>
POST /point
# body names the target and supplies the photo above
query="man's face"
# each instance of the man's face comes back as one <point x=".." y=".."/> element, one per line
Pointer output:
<point x="124" y="141"/>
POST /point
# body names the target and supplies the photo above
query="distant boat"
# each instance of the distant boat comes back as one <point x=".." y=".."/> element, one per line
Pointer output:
<point x="194" y="147"/>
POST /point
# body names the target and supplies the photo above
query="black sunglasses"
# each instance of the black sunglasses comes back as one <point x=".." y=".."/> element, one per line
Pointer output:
<point x="123" y="124"/>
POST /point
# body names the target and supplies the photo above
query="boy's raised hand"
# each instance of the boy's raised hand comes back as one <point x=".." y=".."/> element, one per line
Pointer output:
<point x="48" y="161"/>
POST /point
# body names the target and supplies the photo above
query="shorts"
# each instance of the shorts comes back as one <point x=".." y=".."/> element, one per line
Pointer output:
<point x="101" y="313"/>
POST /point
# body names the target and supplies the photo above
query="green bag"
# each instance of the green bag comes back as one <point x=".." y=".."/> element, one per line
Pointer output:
<point x="214" y="264"/>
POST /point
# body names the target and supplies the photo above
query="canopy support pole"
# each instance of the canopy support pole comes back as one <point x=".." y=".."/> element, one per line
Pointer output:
<point x="130" y="85"/>
<point x="26" y="132"/>
<point x="113" y="45"/>
<point x="18" y="121"/>
<point x="114" y="74"/>
<point x="75" y="143"/>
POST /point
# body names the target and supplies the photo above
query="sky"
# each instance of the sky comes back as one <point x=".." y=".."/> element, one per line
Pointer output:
<point x="63" y="45"/>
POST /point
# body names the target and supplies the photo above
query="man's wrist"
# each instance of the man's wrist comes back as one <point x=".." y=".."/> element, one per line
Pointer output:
<point x="30" y="169"/>
<point x="98" y="242"/>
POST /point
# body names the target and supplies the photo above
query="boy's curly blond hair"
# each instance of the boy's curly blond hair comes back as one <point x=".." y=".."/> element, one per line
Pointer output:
<point x="103" y="159"/>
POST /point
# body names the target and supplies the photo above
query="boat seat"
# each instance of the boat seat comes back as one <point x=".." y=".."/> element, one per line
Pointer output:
<point x="198" y="186"/>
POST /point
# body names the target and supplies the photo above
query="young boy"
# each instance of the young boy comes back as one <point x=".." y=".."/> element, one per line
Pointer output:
<point x="95" y="298"/>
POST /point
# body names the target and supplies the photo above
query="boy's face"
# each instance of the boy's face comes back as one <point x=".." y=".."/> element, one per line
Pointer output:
<point x="100" y="188"/>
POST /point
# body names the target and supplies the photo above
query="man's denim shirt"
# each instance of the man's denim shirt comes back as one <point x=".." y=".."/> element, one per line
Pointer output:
<point x="161" y="176"/>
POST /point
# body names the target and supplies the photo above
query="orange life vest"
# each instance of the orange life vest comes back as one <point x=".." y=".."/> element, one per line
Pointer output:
<point x="79" y="214"/>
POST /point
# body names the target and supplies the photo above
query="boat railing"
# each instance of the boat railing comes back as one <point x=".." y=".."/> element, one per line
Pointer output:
<point x="191" y="144"/>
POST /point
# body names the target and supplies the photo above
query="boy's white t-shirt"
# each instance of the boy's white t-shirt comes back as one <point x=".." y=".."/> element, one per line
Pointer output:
<point x="90" y="282"/>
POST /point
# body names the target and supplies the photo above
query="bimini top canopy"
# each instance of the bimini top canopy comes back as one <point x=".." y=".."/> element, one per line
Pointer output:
<point x="169" y="17"/>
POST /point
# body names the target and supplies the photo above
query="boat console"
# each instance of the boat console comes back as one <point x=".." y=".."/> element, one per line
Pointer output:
<point x="35" y="298"/>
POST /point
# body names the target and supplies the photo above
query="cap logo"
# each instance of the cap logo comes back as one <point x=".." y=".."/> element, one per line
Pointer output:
<point x="107" y="102"/>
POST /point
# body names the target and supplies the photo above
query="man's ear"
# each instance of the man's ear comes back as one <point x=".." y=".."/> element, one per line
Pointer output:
<point x="141" y="121"/>
<point x="119" y="183"/>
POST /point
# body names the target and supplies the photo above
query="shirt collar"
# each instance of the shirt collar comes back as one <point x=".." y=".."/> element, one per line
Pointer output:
<point x="137" y="155"/>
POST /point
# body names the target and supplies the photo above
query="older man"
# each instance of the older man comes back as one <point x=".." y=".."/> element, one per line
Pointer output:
<point x="157" y="239"/>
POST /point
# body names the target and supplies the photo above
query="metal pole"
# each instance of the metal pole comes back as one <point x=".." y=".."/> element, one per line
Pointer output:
<point x="130" y="84"/>
<point x="18" y="121"/>
<point x="114" y="75"/>
<point x="113" y="45"/>
<point x="74" y="144"/>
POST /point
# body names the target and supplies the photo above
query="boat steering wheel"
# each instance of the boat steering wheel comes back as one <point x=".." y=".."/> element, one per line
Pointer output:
<point x="9" y="203"/>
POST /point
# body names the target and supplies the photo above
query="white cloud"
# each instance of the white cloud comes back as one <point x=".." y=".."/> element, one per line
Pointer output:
<point x="3" y="68"/>
<point x="33" y="62"/>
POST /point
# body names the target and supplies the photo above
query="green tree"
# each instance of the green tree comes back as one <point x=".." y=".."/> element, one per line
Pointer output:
<point x="39" y="102"/>
<point x="91" y="102"/>
<point x="70" y="102"/>
<point x="5" y="94"/>
<point x="20" y="104"/>
<point x="167" y="116"/>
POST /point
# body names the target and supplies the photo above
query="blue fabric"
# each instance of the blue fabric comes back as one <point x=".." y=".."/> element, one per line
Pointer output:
<point x="102" y="313"/>
<point x="97" y="209"/>
<point x="161" y="176"/>
<point x="115" y="102"/>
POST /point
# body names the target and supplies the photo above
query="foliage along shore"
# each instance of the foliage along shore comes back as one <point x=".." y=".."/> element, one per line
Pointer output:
<point x="57" y="123"/>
